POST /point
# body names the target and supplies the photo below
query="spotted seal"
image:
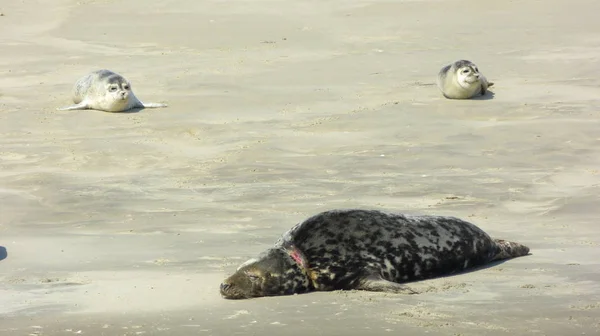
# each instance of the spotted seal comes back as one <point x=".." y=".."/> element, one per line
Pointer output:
<point x="462" y="80"/>
<point x="365" y="250"/>
<point x="105" y="90"/>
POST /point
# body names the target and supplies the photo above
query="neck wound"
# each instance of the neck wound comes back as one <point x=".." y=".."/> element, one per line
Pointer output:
<point x="297" y="255"/>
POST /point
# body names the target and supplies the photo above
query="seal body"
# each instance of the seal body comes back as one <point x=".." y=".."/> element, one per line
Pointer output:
<point x="462" y="80"/>
<point x="105" y="90"/>
<point x="365" y="250"/>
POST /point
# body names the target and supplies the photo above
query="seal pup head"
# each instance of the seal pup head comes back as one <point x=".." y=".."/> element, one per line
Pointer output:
<point x="277" y="271"/>
<point x="115" y="91"/>
<point x="467" y="74"/>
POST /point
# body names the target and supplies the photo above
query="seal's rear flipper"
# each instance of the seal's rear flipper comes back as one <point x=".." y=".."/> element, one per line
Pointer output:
<point x="507" y="250"/>
<point x="377" y="284"/>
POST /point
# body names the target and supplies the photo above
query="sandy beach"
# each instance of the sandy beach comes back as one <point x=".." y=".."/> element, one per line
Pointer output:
<point x="126" y="223"/>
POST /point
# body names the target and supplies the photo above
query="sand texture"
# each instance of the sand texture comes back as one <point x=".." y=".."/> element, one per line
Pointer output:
<point x="126" y="223"/>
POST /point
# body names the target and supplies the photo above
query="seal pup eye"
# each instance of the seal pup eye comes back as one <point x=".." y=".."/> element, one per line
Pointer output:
<point x="112" y="89"/>
<point x="465" y="71"/>
<point x="126" y="87"/>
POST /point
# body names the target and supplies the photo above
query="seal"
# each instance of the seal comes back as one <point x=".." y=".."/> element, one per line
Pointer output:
<point x="105" y="90"/>
<point x="462" y="80"/>
<point x="365" y="250"/>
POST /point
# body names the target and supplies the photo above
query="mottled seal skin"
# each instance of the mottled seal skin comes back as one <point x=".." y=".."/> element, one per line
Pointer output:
<point x="365" y="250"/>
<point x="462" y="80"/>
<point x="107" y="91"/>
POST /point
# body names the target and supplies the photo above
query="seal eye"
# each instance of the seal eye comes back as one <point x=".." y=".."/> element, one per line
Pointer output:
<point x="253" y="277"/>
<point x="465" y="71"/>
<point x="126" y="87"/>
<point x="112" y="89"/>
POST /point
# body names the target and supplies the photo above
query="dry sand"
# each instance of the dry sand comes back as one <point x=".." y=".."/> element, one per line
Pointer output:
<point x="125" y="224"/>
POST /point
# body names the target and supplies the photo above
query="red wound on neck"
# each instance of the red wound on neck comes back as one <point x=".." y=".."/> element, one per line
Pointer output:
<point x="297" y="256"/>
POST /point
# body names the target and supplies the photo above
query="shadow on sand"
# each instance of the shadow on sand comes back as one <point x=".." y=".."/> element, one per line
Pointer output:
<point x="133" y="110"/>
<point x="487" y="96"/>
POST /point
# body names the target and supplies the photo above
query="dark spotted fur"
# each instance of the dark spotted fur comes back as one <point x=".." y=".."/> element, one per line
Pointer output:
<point x="365" y="249"/>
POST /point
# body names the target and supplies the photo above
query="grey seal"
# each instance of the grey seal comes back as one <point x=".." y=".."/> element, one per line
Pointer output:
<point x="365" y="250"/>
<point x="462" y="80"/>
<point x="105" y="90"/>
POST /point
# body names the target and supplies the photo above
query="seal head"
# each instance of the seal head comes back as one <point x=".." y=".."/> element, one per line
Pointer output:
<point x="277" y="271"/>
<point x="467" y="73"/>
<point x="118" y="91"/>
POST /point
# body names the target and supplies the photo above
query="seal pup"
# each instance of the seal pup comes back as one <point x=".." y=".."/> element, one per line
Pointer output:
<point x="365" y="250"/>
<point x="105" y="90"/>
<point x="462" y="80"/>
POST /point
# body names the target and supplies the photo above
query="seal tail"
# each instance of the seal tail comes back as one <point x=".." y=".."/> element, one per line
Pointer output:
<point x="507" y="250"/>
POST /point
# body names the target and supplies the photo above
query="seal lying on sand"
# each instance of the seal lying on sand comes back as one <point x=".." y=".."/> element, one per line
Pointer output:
<point x="462" y="80"/>
<point x="365" y="250"/>
<point x="107" y="91"/>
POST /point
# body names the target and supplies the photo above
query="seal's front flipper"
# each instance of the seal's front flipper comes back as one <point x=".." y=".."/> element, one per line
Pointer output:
<point x="80" y="106"/>
<point x="377" y="284"/>
<point x="153" y="105"/>
<point x="485" y="85"/>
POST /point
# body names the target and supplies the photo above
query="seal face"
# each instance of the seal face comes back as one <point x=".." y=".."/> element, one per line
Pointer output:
<point x="365" y="250"/>
<point x="105" y="90"/>
<point x="462" y="80"/>
<point x="274" y="272"/>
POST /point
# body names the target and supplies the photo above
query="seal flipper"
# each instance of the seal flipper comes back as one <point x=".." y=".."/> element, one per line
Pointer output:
<point x="377" y="284"/>
<point x="152" y="105"/>
<point x="485" y="86"/>
<point x="507" y="250"/>
<point x="81" y="106"/>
